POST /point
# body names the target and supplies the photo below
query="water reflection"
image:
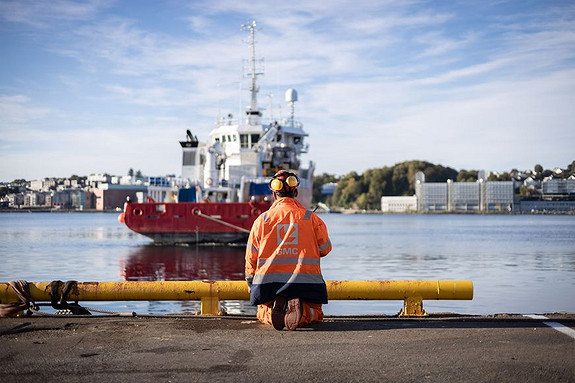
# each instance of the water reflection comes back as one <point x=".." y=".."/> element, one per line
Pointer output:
<point x="183" y="263"/>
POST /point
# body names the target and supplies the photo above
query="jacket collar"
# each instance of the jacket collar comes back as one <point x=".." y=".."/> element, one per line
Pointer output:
<point x="286" y="201"/>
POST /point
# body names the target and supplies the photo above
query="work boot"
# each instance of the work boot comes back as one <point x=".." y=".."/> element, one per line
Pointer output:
<point x="293" y="314"/>
<point x="279" y="312"/>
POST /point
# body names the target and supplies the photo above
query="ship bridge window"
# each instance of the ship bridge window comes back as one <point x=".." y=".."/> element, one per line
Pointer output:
<point x="296" y="140"/>
<point x="255" y="138"/>
<point x="235" y="137"/>
<point x="229" y="138"/>
<point x="223" y="138"/>
<point x="278" y="137"/>
<point x="244" y="141"/>
<point x="189" y="159"/>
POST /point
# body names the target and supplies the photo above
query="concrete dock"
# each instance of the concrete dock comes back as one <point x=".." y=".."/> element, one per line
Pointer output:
<point x="440" y="348"/>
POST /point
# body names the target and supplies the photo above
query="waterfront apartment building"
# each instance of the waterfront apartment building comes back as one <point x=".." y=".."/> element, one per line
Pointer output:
<point x="431" y="196"/>
<point x="562" y="187"/>
<point x="557" y="195"/>
<point x="479" y="196"/>
<point x="463" y="196"/>
<point x="496" y="195"/>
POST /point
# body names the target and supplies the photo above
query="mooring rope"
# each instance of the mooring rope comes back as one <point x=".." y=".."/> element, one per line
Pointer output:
<point x="58" y="302"/>
<point x="238" y="228"/>
<point x="22" y="290"/>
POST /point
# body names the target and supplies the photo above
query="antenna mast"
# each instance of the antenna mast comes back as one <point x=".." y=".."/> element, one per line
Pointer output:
<point x="253" y="112"/>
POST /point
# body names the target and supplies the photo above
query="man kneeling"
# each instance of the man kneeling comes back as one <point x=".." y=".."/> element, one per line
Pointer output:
<point x="283" y="259"/>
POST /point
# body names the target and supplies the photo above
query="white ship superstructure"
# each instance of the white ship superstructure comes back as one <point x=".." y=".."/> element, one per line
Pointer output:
<point x="246" y="151"/>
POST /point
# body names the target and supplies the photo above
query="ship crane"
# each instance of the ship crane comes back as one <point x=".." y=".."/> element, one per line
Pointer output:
<point x="266" y="138"/>
<point x="190" y="136"/>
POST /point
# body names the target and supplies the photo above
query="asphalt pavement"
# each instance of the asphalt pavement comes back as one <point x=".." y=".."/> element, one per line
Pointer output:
<point x="441" y="348"/>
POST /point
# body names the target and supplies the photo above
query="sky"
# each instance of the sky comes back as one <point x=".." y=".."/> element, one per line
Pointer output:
<point x="104" y="86"/>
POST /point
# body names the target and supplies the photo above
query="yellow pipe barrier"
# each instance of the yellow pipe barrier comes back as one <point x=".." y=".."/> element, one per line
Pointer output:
<point x="211" y="292"/>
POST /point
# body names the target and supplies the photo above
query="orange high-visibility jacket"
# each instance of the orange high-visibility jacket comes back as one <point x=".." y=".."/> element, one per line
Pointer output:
<point x="283" y="254"/>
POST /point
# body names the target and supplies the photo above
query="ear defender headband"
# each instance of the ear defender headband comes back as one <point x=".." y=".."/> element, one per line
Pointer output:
<point x="278" y="184"/>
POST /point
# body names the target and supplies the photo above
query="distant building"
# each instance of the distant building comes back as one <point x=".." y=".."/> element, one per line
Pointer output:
<point x="558" y="187"/>
<point x="463" y="196"/>
<point x="70" y="183"/>
<point x="452" y="196"/>
<point x="37" y="185"/>
<point x="399" y="204"/>
<point x="431" y="196"/>
<point x="70" y="199"/>
<point x="35" y="199"/>
<point x="544" y="206"/>
<point x="96" y="179"/>
<point x="532" y="183"/>
<point x="497" y="195"/>
<point x="16" y="200"/>
<point x="113" y="196"/>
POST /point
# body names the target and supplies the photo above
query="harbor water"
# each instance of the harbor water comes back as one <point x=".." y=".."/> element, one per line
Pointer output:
<point x="518" y="263"/>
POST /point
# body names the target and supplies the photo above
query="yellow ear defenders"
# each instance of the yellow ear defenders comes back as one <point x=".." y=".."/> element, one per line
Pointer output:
<point x="292" y="181"/>
<point x="277" y="184"/>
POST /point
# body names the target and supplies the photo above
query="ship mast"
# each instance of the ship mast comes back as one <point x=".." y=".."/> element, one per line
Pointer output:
<point x="253" y="113"/>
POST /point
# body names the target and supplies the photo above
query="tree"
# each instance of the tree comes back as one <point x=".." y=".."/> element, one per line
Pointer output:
<point x="467" y="176"/>
<point x="347" y="190"/>
<point x="538" y="168"/>
<point x="362" y="201"/>
<point x="131" y="172"/>
<point x="139" y="174"/>
<point x="438" y="173"/>
<point x="365" y="191"/>
<point x="499" y="177"/>
<point x="571" y="168"/>
<point x="546" y="173"/>
<point x="318" y="182"/>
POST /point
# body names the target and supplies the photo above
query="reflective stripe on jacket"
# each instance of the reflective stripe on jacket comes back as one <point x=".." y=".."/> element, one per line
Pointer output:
<point x="283" y="254"/>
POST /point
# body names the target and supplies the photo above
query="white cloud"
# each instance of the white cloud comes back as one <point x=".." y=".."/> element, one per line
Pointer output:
<point x="378" y="81"/>
<point x="43" y="14"/>
<point x="496" y="126"/>
<point x="18" y="110"/>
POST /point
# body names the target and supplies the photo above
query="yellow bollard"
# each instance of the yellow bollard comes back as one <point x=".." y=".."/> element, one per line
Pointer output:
<point x="211" y="292"/>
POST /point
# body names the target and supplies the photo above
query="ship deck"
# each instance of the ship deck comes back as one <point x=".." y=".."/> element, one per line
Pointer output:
<point x="439" y="348"/>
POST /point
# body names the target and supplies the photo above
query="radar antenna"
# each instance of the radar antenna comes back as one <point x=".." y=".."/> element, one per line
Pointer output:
<point x="291" y="98"/>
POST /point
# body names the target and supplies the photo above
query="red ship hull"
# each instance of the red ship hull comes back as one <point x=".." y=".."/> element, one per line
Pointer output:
<point x="190" y="222"/>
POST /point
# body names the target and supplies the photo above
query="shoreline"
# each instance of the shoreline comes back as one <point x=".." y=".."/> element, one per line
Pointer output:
<point x="343" y="211"/>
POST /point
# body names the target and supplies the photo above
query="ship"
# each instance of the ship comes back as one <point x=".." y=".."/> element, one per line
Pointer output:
<point x="224" y="183"/>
